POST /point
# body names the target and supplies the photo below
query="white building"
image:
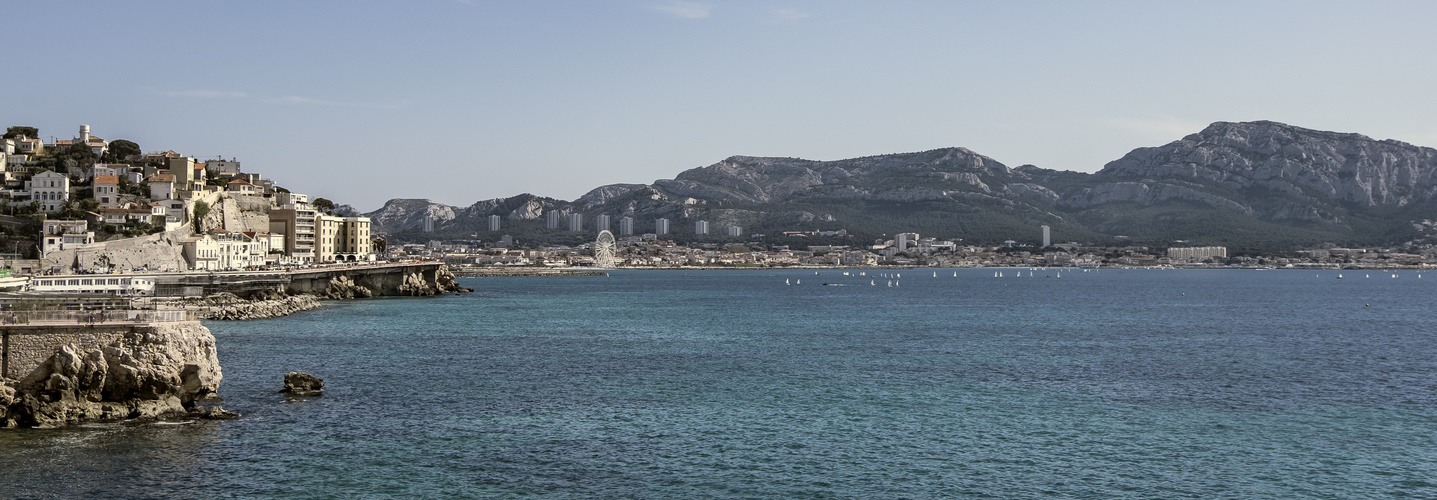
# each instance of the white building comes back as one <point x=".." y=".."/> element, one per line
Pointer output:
<point x="162" y="187"/>
<point x="601" y="223"/>
<point x="61" y="234"/>
<point x="51" y="189"/>
<point x="576" y="222"/>
<point x="701" y="227"/>
<point x="494" y="221"/>
<point x="626" y="226"/>
<point x="240" y="250"/>
<point x="1196" y="254"/>
<point x="202" y="253"/>
<point x="735" y="231"/>
<point x="1047" y="236"/>
<point x="554" y="218"/>
<point x="661" y="226"/>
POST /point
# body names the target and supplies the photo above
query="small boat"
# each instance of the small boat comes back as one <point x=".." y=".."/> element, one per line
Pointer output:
<point x="13" y="283"/>
<point x="1339" y="276"/>
<point x="785" y="281"/>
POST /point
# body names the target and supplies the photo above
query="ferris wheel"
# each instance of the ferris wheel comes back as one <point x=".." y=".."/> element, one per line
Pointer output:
<point x="604" y="250"/>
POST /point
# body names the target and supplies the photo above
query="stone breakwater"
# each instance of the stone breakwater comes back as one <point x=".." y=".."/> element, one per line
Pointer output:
<point x="65" y="376"/>
<point x="229" y="307"/>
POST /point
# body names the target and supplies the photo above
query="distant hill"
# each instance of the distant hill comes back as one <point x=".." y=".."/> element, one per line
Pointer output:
<point x="1256" y="186"/>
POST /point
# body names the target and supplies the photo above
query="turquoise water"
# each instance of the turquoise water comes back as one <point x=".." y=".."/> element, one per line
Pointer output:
<point x="673" y="384"/>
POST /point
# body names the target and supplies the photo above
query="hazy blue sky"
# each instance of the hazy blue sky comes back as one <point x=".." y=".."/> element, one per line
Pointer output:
<point x="459" y="101"/>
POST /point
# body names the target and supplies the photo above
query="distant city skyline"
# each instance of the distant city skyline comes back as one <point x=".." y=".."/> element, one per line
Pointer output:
<point x="465" y="100"/>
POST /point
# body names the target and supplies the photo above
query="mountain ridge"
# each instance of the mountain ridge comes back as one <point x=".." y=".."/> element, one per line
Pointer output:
<point x="1230" y="182"/>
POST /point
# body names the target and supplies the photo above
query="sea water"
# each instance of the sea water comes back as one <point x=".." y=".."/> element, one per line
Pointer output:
<point x="694" y="384"/>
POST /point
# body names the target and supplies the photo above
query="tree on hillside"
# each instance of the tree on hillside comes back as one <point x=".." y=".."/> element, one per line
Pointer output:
<point x="120" y="148"/>
<point x="201" y="210"/>
<point x="323" y="205"/>
<point x="18" y="130"/>
<point x="74" y="155"/>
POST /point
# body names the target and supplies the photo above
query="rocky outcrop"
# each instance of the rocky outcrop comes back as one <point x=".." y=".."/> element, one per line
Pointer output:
<point x="342" y="288"/>
<point x="414" y="285"/>
<point x="302" y="384"/>
<point x="155" y="372"/>
<point x="445" y="283"/>
<point x="243" y="213"/>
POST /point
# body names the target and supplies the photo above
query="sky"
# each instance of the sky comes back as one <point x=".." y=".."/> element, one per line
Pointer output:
<point x="459" y="101"/>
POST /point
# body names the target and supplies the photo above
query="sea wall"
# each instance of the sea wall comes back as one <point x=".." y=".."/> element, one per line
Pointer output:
<point x="59" y="375"/>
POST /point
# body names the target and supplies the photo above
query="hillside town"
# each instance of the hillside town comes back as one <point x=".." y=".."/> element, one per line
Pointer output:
<point x="105" y="207"/>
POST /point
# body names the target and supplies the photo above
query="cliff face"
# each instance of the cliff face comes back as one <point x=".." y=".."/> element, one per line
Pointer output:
<point x="1314" y="175"/>
<point x="142" y="372"/>
<point x="401" y="214"/>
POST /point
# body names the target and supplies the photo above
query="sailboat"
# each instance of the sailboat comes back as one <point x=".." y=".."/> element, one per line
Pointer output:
<point x="798" y="282"/>
<point x="1339" y="275"/>
<point x="935" y="274"/>
<point x="785" y="281"/>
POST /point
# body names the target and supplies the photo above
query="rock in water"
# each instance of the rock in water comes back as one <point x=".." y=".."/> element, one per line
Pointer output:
<point x="302" y="384"/>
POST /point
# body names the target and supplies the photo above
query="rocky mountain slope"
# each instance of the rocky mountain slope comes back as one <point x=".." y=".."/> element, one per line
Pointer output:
<point x="1230" y="183"/>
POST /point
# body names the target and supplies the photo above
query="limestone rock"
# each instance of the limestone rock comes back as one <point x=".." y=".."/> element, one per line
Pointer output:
<point x="414" y="285"/>
<point x="302" y="384"/>
<point x="445" y="282"/>
<point x="342" y="287"/>
<point x="151" y="373"/>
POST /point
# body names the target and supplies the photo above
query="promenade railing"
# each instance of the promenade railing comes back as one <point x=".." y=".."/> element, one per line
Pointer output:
<point x="130" y="316"/>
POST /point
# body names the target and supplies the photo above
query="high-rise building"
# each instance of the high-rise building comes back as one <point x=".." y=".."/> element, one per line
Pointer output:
<point x="428" y="223"/>
<point x="735" y="231"/>
<point x="1047" y="236"/>
<point x="701" y="227"/>
<point x="554" y="218"/>
<point x="576" y="222"/>
<point x="601" y="223"/>
<point x="626" y="226"/>
<point x="904" y="241"/>
<point x="494" y="221"/>
<point x="661" y="226"/>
